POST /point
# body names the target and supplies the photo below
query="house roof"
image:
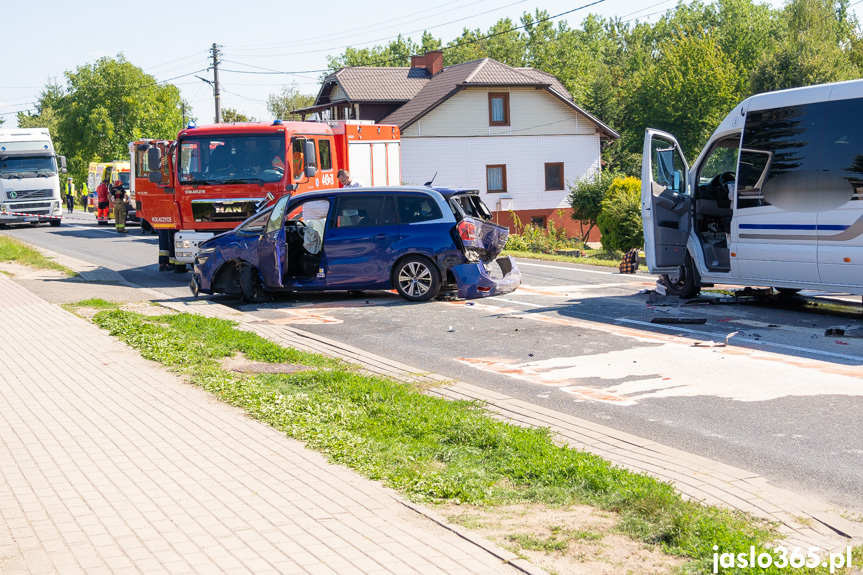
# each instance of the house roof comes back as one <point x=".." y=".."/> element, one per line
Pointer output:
<point x="374" y="84"/>
<point x="485" y="72"/>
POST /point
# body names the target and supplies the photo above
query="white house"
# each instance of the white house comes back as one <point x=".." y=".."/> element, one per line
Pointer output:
<point x="515" y="134"/>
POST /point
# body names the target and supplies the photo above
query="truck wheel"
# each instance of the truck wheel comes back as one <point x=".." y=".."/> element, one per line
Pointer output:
<point x="685" y="282"/>
<point x="416" y="279"/>
<point x="250" y="285"/>
<point x="54" y="223"/>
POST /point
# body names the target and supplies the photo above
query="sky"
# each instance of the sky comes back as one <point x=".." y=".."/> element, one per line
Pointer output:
<point x="172" y="40"/>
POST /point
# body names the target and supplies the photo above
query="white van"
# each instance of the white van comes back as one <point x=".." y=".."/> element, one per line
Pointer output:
<point x="29" y="177"/>
<point x="774" y="199"/>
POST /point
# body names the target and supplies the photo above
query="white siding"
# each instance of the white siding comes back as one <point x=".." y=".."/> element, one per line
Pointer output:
<point x="531" y="112"/>
<point x="461" y="162"/>
<point x="336" y="94"/>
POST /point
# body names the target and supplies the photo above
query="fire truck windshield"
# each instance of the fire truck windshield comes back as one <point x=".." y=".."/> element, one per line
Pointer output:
<point x="232" y="159"/>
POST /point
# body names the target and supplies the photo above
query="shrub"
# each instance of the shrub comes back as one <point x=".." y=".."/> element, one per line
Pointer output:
<point x="533" y="238"/>
<point x="620" y="218"/>
<point x="585" y="197"/>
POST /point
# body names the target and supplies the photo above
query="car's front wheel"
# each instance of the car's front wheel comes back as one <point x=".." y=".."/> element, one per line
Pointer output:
<point x="250" y="285"/>
<point x="416" y="279"/>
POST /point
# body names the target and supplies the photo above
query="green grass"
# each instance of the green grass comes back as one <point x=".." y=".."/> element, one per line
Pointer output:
<point x="428" y="448"/>
<point x="534" y="543"/>
<point x="96" y="303"/>
<point x="12" y="250"/>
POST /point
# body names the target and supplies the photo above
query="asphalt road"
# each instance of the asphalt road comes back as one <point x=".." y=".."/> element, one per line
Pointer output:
<point x="782" y="399"/>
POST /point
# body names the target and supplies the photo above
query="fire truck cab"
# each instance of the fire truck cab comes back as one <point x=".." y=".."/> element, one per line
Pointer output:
<point x="212" y="178"/>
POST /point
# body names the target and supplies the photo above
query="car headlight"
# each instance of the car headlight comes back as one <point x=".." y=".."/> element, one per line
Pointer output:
<point x="203" y="255"/>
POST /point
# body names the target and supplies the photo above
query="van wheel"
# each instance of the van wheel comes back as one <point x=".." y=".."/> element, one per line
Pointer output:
<point x="685" y="282"/>
<point x="416" y="279"/>
<point x="250" y="285"/>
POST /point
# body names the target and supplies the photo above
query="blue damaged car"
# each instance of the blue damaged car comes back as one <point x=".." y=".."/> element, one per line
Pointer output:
<point x="416" y="240"/>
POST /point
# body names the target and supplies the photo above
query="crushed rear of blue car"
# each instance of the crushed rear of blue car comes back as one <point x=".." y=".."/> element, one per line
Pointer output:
<point x="419" y="241"/>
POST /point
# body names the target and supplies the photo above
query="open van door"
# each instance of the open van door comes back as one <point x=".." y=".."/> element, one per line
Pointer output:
<point x="666" y="204"/>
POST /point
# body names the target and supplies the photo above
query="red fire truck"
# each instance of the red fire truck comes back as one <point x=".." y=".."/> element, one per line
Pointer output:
<point x="211" y="178"/>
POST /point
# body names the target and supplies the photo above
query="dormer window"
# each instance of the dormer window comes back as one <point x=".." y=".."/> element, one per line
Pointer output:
<point x="498" y="109"/>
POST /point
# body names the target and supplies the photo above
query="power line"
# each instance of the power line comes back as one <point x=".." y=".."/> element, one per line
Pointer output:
<point x="359" y="31"/>
<point x="392" y="37"/>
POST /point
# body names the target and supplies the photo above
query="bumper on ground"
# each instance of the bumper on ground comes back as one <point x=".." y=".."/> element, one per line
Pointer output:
<point x="474" y="280"/>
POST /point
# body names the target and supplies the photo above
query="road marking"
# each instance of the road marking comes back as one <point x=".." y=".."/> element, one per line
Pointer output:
<point x="722" y="337"/>
<point x="521" y="263"/>
<point x="672" y="370"/>
<point x="578" y="290"/>
<point x="644" y="336"/>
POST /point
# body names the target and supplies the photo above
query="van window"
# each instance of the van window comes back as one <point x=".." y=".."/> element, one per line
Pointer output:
<point x="842" y="145"/>
<point x="777" y="142"/>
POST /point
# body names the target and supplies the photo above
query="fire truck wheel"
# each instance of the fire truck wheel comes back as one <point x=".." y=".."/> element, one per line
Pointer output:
<point x="250" y="285"/>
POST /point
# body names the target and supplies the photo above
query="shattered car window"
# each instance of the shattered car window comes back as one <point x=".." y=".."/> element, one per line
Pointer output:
<point x="470" y="205"/>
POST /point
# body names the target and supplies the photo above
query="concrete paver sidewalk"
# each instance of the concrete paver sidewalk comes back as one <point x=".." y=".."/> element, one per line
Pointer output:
<point x="110" y="464"/>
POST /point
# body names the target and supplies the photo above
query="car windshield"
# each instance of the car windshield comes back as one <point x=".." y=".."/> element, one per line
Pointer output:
<point x="222" y="159"/>
<point x="471" y="205"/>
<point x="27" y="167"/>
<point x="124" y="177"/>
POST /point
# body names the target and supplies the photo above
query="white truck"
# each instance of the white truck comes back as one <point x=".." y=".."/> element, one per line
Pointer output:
<point x="29" y="178"/>
<point x="774" y="199"/>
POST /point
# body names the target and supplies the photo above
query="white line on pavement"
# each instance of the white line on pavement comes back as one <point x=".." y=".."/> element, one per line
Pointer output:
<point x="521" y="263"/>
<point x="722" y="336"/>
<point x="718" y="336"/>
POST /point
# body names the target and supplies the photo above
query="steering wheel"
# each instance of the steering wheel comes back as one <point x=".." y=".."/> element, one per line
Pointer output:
<point x="719" y="184"/>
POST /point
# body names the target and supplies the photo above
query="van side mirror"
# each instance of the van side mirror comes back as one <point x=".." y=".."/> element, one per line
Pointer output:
<point x="154" y="159"/>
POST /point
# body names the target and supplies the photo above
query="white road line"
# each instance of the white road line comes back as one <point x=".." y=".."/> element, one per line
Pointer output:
<point x="521" y="263"/>
<point x="722" y="336"/>
<point x="717" y="336"/>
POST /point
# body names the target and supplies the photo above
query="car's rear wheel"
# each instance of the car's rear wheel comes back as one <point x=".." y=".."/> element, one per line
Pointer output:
<point x="250" y="285"/>
<point x="416" y="279"/>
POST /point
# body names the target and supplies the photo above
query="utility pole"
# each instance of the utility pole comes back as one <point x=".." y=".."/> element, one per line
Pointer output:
<point x="216" y="82"/>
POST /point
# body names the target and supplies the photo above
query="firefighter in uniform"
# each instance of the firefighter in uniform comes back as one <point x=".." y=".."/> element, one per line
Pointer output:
<point x="102" y="203"/>
<point x="118" y="197"/>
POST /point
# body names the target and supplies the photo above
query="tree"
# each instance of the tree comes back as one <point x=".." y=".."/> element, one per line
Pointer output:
<point x="814" y="50"/>
<point x="103" y="107"/>
<point x="689" y="89"/>
<point x="289" y="98"/>
<point x="397" y="53"/>
<point x="585" y="197"/>
<point x="230" y="116"/>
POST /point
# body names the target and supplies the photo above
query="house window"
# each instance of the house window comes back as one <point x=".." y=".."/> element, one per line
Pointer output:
<point x="538" y="221"/>
<point x="498" y="109"/>
<point x="554" y="176"/>
<point x="495" y="178"/>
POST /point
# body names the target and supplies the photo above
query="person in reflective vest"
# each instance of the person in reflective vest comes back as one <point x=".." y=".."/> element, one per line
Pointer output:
<point x="118" y="197"/>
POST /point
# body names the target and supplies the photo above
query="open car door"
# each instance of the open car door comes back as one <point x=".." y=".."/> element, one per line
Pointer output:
<point x="666" y="205"/>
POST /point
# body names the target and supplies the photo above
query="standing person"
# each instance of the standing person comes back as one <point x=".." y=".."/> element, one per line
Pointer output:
<point x="118" y="197"/>
<point x="70" y="195"/>
<point x="102" y="203"/>
<point x="345" y="178"/>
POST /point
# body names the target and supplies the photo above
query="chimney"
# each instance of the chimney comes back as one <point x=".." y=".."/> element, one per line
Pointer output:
<point x="432" y="61"/>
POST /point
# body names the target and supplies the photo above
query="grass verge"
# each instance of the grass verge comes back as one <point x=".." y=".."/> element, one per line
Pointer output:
<point x="428" y="448"/>
<point x="12" y="250"/>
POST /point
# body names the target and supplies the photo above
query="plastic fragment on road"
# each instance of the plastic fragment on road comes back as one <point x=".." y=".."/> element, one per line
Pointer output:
<point x="451" y="328"/>
<point x="708" y="344"/>
<point x="660" y="287"/>
<point x="844" y="331"/>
